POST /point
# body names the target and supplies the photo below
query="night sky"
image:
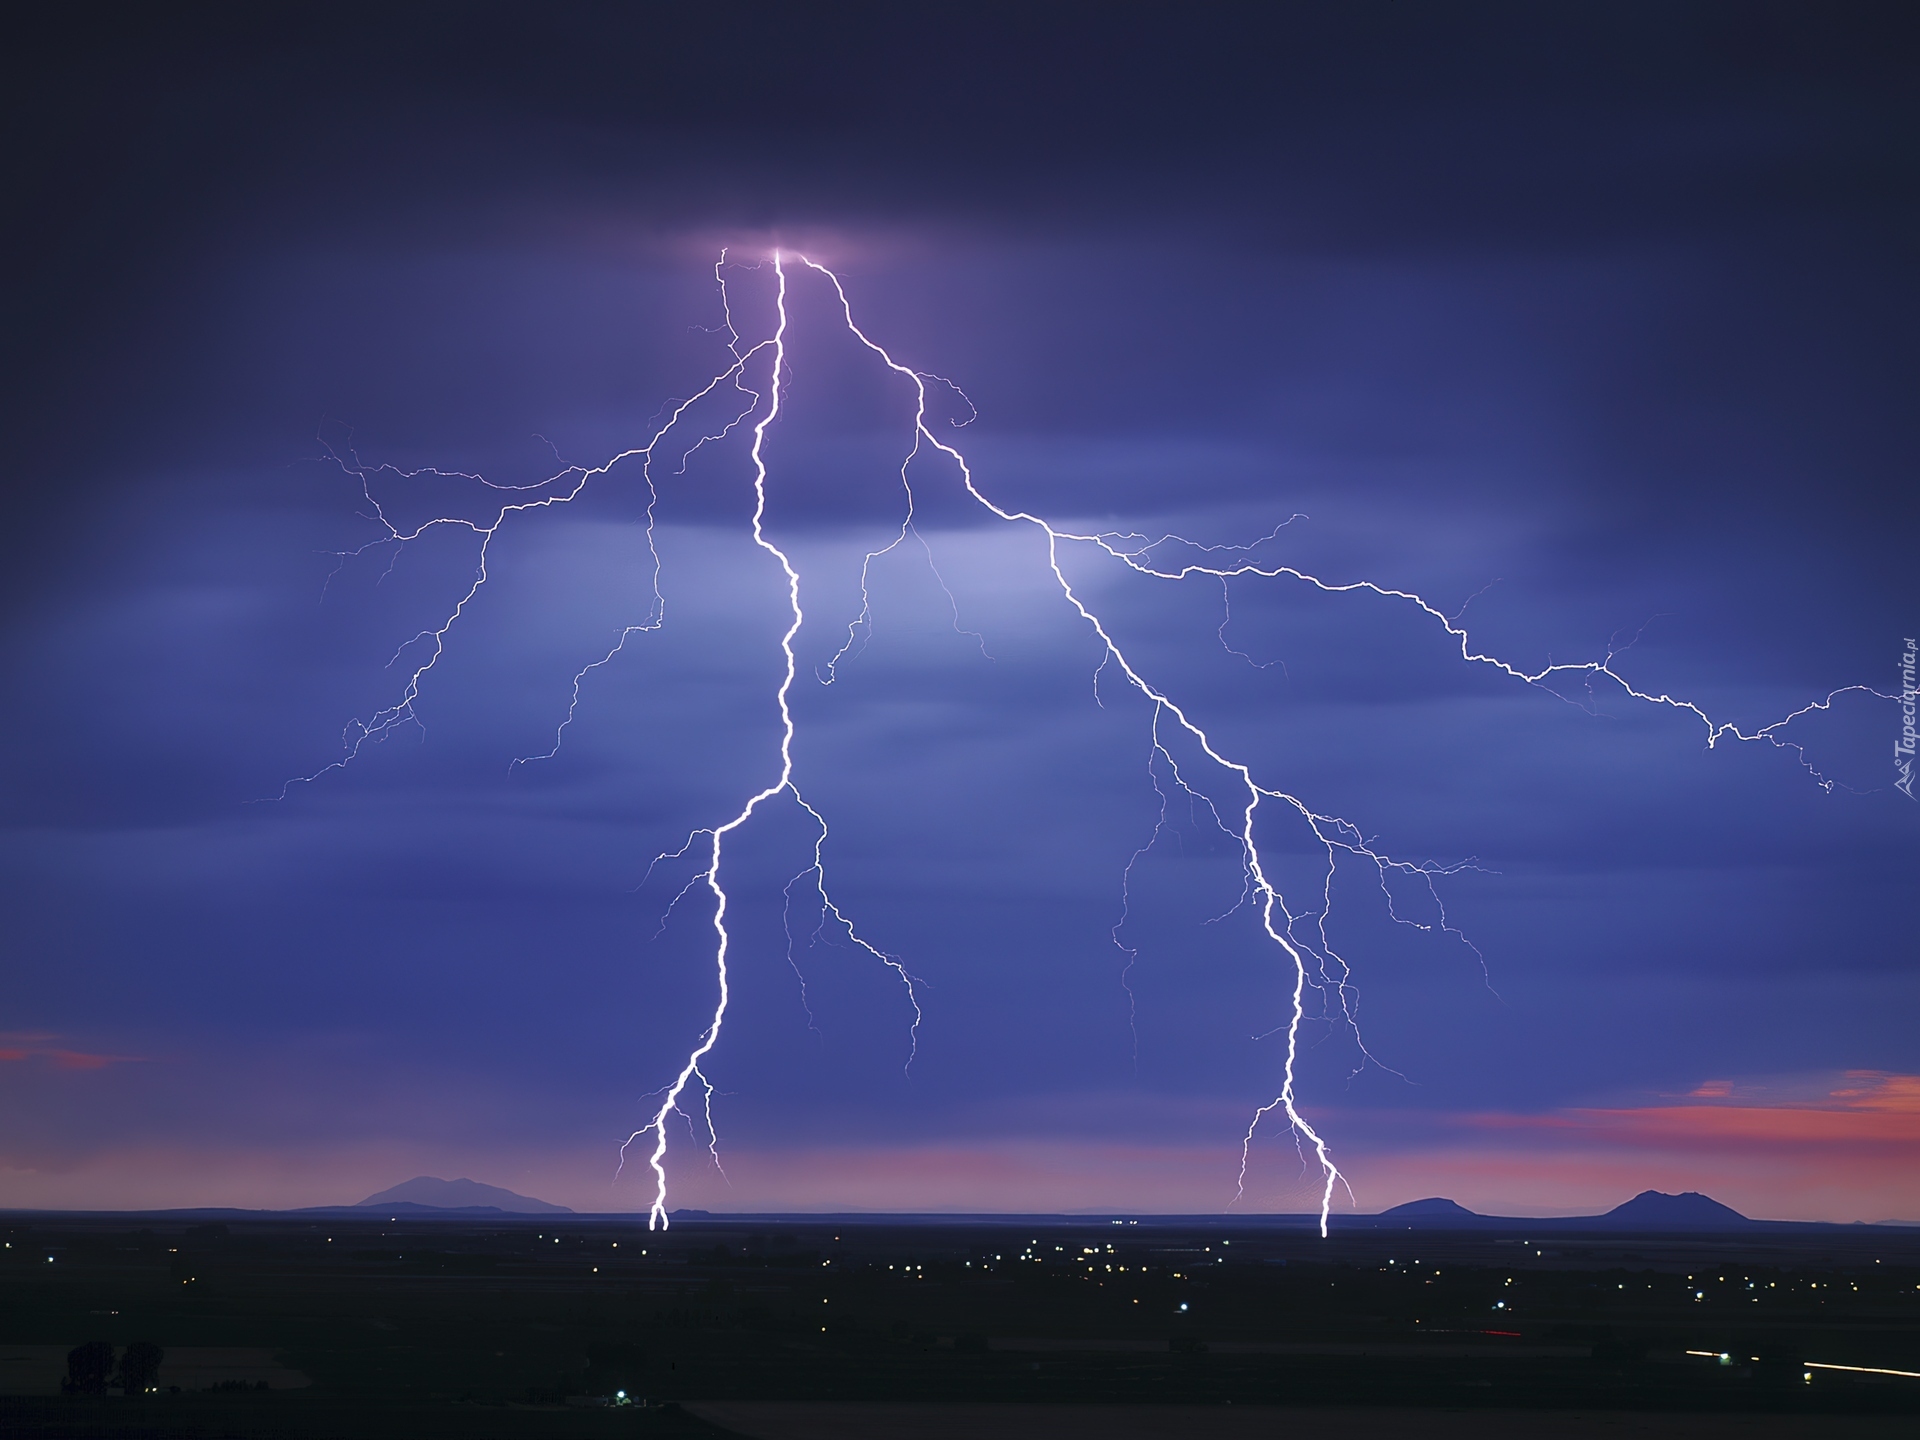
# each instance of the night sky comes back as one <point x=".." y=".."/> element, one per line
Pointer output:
<point x="1599" y="317"/>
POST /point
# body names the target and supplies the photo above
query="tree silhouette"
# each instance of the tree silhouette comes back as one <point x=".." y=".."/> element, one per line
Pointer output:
<point x="88" y="1368"/>
<point x="140" y="1367"/>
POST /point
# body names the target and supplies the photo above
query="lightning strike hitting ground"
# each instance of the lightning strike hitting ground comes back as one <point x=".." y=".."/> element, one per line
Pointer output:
<point x="1297" y="935"/>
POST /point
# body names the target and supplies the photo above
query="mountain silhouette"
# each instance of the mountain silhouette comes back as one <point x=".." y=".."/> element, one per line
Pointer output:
<point x="1689" y="1210"/>
<point x="1433" y="1208"/>
<point x="1649" y="1210"/>
<point x="433" y="1193"/>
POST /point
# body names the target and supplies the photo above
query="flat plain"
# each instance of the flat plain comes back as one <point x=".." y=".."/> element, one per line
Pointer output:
<point x="791" y="1328"/>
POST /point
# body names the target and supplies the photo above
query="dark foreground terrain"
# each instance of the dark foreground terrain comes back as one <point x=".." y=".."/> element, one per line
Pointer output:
<point x="497" y="1326"/>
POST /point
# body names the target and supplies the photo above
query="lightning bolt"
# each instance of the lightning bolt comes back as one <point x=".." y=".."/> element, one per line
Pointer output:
<point x="1298" y="936"/>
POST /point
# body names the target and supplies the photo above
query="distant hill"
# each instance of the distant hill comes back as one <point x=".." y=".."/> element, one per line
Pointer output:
<point x="1689" y="1210"/>
<point x="432" y="1193"/>
<point x="1649" y="1210"/>
<point x="1434" y="1208"/>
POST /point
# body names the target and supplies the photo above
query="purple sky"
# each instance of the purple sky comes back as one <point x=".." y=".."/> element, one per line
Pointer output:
<point x="1603" y="322"/>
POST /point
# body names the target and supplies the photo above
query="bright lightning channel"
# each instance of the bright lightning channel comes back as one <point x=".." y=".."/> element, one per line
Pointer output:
<point x="1310" y="956"/>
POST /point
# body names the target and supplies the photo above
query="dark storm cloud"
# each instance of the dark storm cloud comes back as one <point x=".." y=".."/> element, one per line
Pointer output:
<point x="160" y="148"/>
<point x="1606" y="310"/>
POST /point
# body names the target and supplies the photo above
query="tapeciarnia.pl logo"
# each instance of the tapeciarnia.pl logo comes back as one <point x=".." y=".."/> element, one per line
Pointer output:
<point x="1903" y="747"/>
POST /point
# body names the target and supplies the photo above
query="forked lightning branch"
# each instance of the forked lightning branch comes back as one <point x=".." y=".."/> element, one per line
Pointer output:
<point x="744" y="399"/>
